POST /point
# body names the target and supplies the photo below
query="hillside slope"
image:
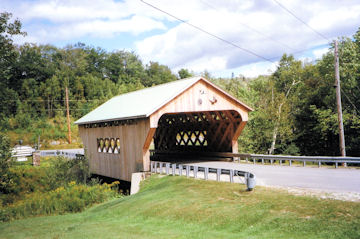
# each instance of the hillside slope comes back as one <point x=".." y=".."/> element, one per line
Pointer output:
<point x="177" y="207"/>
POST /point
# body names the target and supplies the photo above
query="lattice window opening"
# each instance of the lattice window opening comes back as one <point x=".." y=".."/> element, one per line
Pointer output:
<point x="108" y="145"/>
<point x="191" y="138"/>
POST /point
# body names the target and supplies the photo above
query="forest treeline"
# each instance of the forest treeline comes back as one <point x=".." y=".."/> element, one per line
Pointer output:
<point x="294" y="108"/>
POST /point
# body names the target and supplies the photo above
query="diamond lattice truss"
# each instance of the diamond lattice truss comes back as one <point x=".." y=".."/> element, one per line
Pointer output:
<point x="210" y="131"/>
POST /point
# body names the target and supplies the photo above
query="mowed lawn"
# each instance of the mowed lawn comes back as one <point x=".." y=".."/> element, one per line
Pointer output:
<point x="177" y="207"/>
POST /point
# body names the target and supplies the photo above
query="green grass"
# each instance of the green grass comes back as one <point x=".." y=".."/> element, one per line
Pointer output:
<point x="177" y="207"/>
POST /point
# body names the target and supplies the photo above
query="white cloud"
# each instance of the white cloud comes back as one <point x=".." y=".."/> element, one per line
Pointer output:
<point x="318" y="53"/>
<point x="261" y="27"/>
<point x="183" y="46"/>
<point x="249" y="70"/>
<point x="53" y="20"/>
<point x="327" y="19"/>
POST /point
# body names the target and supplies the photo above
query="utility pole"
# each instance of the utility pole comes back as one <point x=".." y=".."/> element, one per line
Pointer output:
<point x="68" y="114"/>
<point x="338" y="102"/>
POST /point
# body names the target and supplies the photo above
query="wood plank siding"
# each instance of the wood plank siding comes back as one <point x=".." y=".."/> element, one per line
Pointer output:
<point x="130" y="159"/>
<point x="189" y="101"/>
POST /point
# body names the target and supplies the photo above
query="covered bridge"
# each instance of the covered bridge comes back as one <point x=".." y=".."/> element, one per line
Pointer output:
<point x="190" y="115"/>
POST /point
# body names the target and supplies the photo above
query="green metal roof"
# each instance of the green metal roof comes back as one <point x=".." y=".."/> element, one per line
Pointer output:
<point x="137" y="104"/>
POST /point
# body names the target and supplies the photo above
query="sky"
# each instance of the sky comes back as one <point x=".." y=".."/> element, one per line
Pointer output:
<point x="254" y="30"/>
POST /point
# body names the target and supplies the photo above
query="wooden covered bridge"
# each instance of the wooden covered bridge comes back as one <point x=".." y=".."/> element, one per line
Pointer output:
<point x="191" y="115"/>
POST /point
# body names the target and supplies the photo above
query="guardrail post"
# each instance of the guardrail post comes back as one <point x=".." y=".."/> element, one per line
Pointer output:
<point x="167" y="168"/>
<point x="304" y="163"/>
<point x="36" y="158"/>
<point x="280" y="162"/>
<point x="290" y="162"/>
<point x="250" y="181"/>
<point x="187" y="170"/>
<point x="262" y="161"/>
<point x="195" y="170"/>
<point x="336" y="164"/>
<point x="246" y="159"/>
<point x="180" y="169"/>
<point x="160" y="168"/>
<point x="271" y="161"/>
<point x="231" y="175"/>
<point x="218" y="173"/>
<point x="319" y="164"/>
<point x="173" y="166"/>
<point x="206" y="173"/>
<point x="345" y="165"/>
<point x="254" y="160"/>
<point x="152" y="166"/>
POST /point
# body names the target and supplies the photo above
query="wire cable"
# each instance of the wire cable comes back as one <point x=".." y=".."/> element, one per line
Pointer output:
<point x="300" y="20"/>
<point x="208" y="33"/>
<point x="254" y="30"/>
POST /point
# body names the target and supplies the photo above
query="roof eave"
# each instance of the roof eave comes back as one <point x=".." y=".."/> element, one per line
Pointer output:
<point x="190" y="85"/>
<point x="113" y="119"/>
<point x="228" y="95"/>
<point x="171" y="98"/>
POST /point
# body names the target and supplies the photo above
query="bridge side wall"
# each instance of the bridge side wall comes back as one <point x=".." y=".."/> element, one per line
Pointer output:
<point x="128" y="160"/>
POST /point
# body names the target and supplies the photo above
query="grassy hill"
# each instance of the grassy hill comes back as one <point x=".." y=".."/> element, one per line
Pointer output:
<point x="52" y="133"/>
<point x="177" y="207"/>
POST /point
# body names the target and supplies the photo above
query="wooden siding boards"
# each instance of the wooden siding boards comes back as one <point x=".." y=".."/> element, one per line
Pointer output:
<point x="135" y="137"/>
<point x="130" y="158"/>
<point x="188" y="101"/>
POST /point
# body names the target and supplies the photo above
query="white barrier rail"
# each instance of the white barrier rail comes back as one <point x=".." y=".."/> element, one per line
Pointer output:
<point x="263" y="158"/>
<point x="49" y="153"/>
<point x="193" y="170"/>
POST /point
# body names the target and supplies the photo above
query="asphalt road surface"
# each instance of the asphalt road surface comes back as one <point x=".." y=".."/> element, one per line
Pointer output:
<point x="328" y="179"/>
<point x="76" y="151"/>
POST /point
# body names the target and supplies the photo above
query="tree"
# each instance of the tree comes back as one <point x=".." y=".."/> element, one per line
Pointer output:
<point x="8" y="57"/>
<point x="157" y="74"/>
<point x="5" y="163"/>
<point x="283" y="86"/>
<point x="7" y="49"/>
<point x="124" y="67"/>
<point x="184" y="73"/>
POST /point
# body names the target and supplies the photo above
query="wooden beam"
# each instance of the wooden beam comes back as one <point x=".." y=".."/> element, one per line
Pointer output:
<point x="226" y="134"/>
<point x="235" y="146"/>
<point x="146" y="151"/>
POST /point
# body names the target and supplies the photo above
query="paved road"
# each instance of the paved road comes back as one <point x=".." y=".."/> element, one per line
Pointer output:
<point x="76" y="151"/>
<point x="328" y="179"/>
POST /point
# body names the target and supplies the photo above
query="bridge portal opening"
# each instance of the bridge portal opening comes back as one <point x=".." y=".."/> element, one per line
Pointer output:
<point x="194" y="134"/>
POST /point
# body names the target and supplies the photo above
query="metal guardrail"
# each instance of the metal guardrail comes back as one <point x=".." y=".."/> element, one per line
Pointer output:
<point x="59" y="153"/>
<point x="192" y="170"/>
<point x="263" y="158"/>
<point x="21" y="152"/>
<point x="304" y="159"/>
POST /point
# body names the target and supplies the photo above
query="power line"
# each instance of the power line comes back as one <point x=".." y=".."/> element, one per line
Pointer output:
<point x="294" y="53"/>
<point x="350" y="101"/>
<point x="254" y="30"/>
<point x="208" y="33"/>
<point x="50" y="100"/>
<point x="299" y="19"/>
<point x="19" y="110"/>
<point x="265" y="36"/>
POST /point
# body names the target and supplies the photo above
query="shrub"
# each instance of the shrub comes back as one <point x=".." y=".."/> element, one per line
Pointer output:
<point x="65" y="199"/>
<point x="63" y="170"/>
<point x="59" y="171"/>
<point x="57" y="187"/>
